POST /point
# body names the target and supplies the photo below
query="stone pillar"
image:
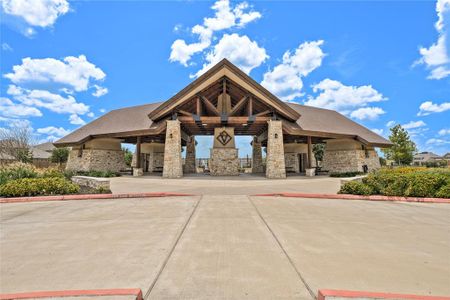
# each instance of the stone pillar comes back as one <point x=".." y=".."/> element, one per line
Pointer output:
<point x="173" y="164"/>
<point x="257" y="166"/>
<point x="138" y="171"/>
<point x="224" y="159"/>
<point x="189" y="163"/>
<point x="275" y="165"/>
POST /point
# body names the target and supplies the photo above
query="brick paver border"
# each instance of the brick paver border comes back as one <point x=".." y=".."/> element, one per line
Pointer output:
<point x="360" y="197"/>
<point x="330" y="294"/>
<point x="74" y="293"/>
<point x="90" y="197"/>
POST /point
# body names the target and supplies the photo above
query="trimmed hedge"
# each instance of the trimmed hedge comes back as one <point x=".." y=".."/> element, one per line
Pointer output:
<point x="37" y="187"/>
<point x="407" y="182"/>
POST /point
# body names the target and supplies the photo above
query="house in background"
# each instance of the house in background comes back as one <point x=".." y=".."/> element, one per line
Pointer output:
<point x="41" y="154"/>
<point x="420" y="159"/>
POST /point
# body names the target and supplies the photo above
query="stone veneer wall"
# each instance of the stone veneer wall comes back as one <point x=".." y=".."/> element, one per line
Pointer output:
<point x="275" y="165"/>
<point x="96" y="160"/>
<point x="347" y="155"/>
<point x="257" y="165"/>
<point x="189" y="162"/>
<point x="103" y="154"/>
<point x="173" y="164"/>
<point x="291" y="162"/>
<point x="224" y="162"/>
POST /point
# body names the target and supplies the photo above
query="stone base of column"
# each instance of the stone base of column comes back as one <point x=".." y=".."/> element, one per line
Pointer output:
<point x="275" y="164"/>
<point x="224" y="162"/>
<point x="310" y="172"/>
<point x="173" y="166"/>
<point x="138" y="172"/>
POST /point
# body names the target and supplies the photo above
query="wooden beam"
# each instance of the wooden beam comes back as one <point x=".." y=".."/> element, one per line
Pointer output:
<point x="250" y="106"/>
<point x="138" y="152"/>
<point x="238" y="105"/>
<point x="308" y="155"/>
<point x="186" y="113"/>
<point x="217" y="120"/>
<point x="199" y="106"/>
<point x="262" y="137"/>
<point x="210" y="106"/>
<point x="263" y="113"/>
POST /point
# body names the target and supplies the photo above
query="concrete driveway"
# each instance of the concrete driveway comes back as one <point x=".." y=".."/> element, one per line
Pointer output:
<point x="225" y="246"/>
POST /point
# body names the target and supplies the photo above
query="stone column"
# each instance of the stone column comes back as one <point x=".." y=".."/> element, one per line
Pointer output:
<point x="275" y="165"/>
<point x="173" y="164"/>
<point x="189" y="163"/>
<point x="257" y="166"/>
<point x="138" y="171"/>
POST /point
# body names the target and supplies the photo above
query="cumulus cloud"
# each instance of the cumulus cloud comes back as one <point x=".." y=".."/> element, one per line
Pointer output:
<point x="48" y="100"/>
<point x="444" y="131"/>
<point x="53" y="131"/>
<point x="240" y="50"/>
<point x="429" y="107"/>
<point x="36" y="13"/>
<point x="6" y="47"/>
<point x="436" y="57"/>
<point x="347" y="99"/>
<point x="390" y="123"/>
<point x="75" y="73"/>
<point x="99" y="91"/>
<point x="367" y="113"/>
<point x="76" y="120"/>
<point x="437" y="142"/>
<point x="225" y="17"/>
<point x="285" y="80"/>
<point x="9" y="109"/>
<point x="378" y="131"/>
<point x="414" y="124"/>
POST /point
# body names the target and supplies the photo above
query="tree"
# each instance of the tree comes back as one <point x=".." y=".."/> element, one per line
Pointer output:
<point x="128" y="156"/>
<point x="60" y="155"/>
<point x="16" y="142"/>
<point x="403" y="147"/>
<point x="318" y="150"/>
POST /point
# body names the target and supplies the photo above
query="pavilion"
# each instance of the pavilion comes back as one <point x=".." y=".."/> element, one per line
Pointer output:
<point x="223" y="102"/>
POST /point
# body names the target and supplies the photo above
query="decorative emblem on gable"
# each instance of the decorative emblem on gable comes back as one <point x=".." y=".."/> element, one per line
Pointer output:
<point x="224" y="138"/>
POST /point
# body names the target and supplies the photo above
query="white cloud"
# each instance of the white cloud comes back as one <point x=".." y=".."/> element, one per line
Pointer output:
<point x="437" y="142"/>
<point x="41" y="13"/>
<point x="444" y="132"/>
<point x="100" y="91"/>
<point x="412" y="124"/>
<point x="436" y="57"/>
<point x="73" y="72"/>
<point x="6" y="47"/>
<point x="91" y="114"/>
<point x="390" y="123"/>
<point x="225" y="17"/>
<point x="378" y="131"/>
<point x="9" y="109"/>
<point x="76" y="120"/>
<point x="285" y="80"/>
<point x="240" y="50"/>
<point x="102" y="110"/>
<point x="345" y="99"/>
<point x="54" y="131"/>
<point x="367" y="113"/>
<point x="50" y="101"/>
<point x="429" y="107"/>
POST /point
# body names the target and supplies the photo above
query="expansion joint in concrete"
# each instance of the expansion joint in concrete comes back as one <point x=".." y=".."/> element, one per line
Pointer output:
<point x="302" y="279"/>
<point x="172" y="249"/>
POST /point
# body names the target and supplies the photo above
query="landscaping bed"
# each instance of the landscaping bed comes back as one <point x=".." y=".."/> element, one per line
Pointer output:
<point x="20" y="179"/>
<point x="404" y="182"/>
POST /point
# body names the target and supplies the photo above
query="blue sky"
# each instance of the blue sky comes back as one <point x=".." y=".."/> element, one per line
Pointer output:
<point x="65" y="63"/>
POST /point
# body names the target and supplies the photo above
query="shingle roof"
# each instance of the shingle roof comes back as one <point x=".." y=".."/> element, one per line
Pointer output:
<point x="330" y="121"/>
<point x="116" y="121"/>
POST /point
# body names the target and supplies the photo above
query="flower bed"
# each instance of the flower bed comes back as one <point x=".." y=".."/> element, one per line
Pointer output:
<point x="406" y="182"/>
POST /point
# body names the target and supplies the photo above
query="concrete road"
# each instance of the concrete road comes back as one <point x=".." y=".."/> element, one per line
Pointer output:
<point x="245" y="184"/>
<point x="226" y="247"/>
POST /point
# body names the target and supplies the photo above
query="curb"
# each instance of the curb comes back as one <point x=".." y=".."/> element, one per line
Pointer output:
<point x="329" y="294"/>
<point x="359" y="197"/>
<point x="89" y="197"/>
<point x="74" y="293"/>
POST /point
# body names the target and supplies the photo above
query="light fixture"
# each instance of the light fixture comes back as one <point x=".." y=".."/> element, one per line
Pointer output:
<point x="204" y="124"/>
<point x="245" y="124"/>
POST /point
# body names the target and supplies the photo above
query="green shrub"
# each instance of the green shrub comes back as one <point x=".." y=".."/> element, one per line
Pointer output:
<point x="425" y="184"/>
<point x="16" y="171"/>
<point x="50" y="172"/>
<point x="355" y="188"/>
<point x="38" y="186"/>
<point x="346" y="174"/>
<point x="444" y="191"/>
